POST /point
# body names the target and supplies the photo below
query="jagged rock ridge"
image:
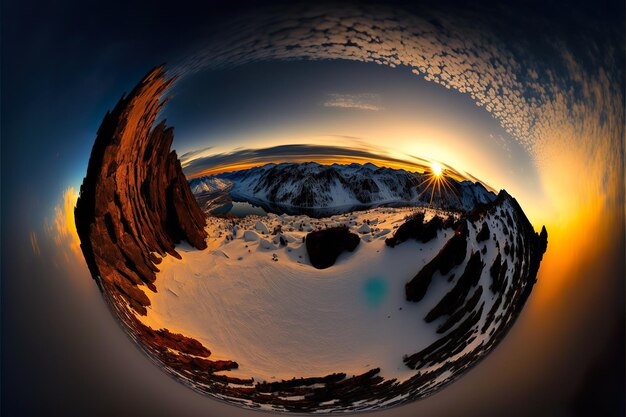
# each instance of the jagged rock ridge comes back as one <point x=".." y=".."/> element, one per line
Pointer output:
<point x="134" y="206"/>
<point x="135" y="203"/>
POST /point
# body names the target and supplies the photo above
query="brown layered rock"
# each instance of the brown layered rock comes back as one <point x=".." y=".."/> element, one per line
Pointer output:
<point x="135" y="203"/>
<point x="178" y="354"/>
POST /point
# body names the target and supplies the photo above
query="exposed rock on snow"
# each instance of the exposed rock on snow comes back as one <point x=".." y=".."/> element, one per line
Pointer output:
<point x="261" y="227"/>
<point x="382" y="232"/>
<point x="511" y="281"/>
<point x="266" y="244"/>
<point x="324" y="246"/>
<point x="484" y="233"/>
<point x="452" y="254"/>
<point x="415" y="228"/>
<point x="250" y="236"/>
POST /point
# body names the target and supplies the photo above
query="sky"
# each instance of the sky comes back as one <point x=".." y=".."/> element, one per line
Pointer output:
<point x="549" y="80"/>
<point x="387" y="112"/>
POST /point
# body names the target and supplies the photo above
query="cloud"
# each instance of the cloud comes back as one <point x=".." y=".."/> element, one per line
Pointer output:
<point x="189" y="156"/>
<point x="34" y="241"/>
<point x="368" y="102"/>
<point x="244" y="158"/>
<point x="456" y="54"/>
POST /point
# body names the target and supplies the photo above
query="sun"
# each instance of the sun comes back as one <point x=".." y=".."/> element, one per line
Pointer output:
<point x="437" y="183"/>
<point x="436" y="168"/>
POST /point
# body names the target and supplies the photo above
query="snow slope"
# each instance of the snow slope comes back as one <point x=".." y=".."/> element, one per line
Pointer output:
<point x="209" y="184"/>
<point x="250" y="299"/>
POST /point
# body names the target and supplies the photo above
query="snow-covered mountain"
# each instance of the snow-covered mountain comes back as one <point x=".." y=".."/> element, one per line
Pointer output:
<point x="209" y="184"/>
<point x="312" y="185"/>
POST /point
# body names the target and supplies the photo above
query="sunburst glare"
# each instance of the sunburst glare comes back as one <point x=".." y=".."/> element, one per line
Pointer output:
<point x="436" y="168"/>
<point x="439" y="186"/>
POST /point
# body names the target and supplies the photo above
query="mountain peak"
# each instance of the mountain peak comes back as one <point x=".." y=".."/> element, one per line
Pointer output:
<point x="310" y="185"/>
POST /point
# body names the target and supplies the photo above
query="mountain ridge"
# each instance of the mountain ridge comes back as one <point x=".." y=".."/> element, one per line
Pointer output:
<point x="310" y="185"/>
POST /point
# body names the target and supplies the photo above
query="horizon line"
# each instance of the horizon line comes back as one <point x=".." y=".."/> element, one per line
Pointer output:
<point x="449" y="171"/>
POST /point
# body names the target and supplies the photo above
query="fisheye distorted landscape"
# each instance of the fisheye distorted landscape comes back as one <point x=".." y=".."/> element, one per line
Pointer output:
<point x="333" y="209"/>
<point x="301" y="286"/>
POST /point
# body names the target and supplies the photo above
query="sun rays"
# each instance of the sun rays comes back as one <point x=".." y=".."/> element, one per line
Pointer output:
<point x="437" y="183"/>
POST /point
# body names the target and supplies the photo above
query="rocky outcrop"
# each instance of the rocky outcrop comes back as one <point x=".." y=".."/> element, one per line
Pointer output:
<point x="461" y="306"/>
<point x="415" y="228"/>
<point x="452" y="254"/>
<point x="135" y="203"/>
<point x="177" y="353"/>
<point x="454" y="299"/>
<point x="134" y="206"/>
<point x="484" y="233"/>
<point x="324" y="246"/>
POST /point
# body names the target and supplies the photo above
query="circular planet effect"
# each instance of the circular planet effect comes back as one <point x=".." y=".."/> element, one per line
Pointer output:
<point x="459" y="271"/>
<point x="356" y="308"/>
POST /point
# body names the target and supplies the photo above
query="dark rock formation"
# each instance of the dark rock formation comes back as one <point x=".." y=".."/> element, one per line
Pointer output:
<point x="449" y="345"/>
<point x="412" y="228"/>
<point x="525" y="252"/>
<point x="543" y="240"/>
<point x="452" y="254"/>
<point x="455" y="298"/>
<point x="324" y="246"/>
<point x="483" y="234"/>
<point x="135" y="200"/>
<point x="430" y="229"/>
<point x="462" y="312"/>
<point x="498" y="273"/>
<point x="415" y="228"/>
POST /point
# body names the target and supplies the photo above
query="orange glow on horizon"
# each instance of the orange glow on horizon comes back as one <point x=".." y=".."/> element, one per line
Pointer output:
<point x="323" y="160"/>
<point x="62" y="227"/>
